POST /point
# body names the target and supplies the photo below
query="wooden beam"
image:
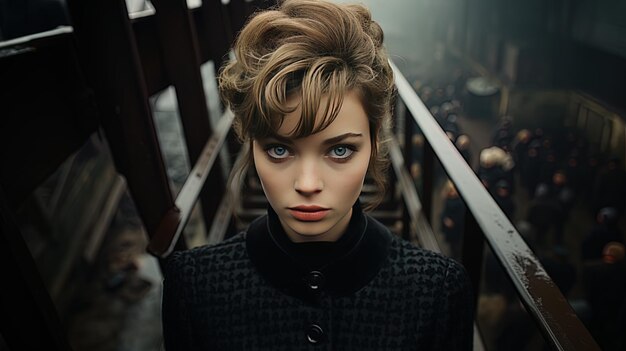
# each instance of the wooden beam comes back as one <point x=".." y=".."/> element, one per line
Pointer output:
<point x="181" y="56"/>
<point x="29" y="319"/>
<point x="109" y="52"/>
<point x="48" y="110"/>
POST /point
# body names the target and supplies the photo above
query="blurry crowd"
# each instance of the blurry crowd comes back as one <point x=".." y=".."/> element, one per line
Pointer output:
<point x="541" y="179"/>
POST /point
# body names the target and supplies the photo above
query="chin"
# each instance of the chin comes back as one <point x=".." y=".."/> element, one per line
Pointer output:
<point x="310" y="228"/>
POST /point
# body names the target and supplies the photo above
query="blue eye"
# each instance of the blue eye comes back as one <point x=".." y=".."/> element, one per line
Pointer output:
<point x="277" y="152"/>
<point x="341" y="152"/>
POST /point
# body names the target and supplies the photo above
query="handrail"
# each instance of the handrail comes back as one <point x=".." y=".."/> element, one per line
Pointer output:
<point x="163" y="241"/>
<point x="545" y="303"/>
<point x="411" y="199"/>
<point x="27" y="39"/>
<point x="223" y="216"/>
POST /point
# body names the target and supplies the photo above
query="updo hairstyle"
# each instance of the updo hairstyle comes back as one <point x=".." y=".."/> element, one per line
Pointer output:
<point x="314" y="49"/>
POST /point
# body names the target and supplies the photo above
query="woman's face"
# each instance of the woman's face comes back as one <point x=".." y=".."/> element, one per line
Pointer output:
<point x="312" y="182"/>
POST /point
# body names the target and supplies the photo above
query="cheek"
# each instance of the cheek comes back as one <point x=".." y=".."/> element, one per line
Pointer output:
<point x="265" y="173"/>
<point x="273" y="178"/>
<point x="350" y="179"/>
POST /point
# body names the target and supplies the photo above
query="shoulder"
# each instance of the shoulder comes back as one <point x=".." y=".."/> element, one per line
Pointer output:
<point x="426" y="267"/>
<point x="208" y="257"/>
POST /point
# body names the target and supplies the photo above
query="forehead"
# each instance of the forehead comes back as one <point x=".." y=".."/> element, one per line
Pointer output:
<point x="351" y="118"/>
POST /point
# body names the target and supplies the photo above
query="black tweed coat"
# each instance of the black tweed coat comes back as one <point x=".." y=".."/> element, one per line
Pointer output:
<point x="374" y="291"/>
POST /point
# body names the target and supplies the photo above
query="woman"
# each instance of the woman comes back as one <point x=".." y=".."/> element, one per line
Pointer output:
<point x="311" y="89"/>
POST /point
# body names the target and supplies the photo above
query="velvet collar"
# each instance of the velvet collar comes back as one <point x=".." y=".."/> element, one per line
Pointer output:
<point x="351" y="263"/>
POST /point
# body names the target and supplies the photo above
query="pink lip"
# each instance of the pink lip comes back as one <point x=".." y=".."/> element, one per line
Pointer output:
<point x="308" y="213"/>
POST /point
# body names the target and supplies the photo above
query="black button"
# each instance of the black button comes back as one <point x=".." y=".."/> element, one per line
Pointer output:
<point x="315" y="334"/>
<point x="315" y="280"/>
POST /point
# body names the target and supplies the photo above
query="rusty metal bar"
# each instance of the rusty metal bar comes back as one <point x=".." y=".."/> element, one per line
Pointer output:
<point x="107" y="44"/>
<point x="213" y="26"/>
<point x="182" y="62"/>
<point x="150" y="53"/>
<point x="224" y="221"/>
<point x="542" y="299"/>
<point x="52" y="35"/>
<point x="418" y="222"/>
<point x="163" y="242"/>
<point x="213" y="41"/>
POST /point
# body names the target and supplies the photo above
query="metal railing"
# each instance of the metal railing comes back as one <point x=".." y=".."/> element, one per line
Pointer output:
<point x="485" y="221"/>
<point x="106" y="67"/>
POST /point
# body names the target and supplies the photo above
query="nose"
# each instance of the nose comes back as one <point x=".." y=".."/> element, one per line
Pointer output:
<point x="309" y="180"/>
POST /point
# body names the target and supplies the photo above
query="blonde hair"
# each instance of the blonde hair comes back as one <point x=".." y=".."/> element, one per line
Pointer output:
<point x="315" y="49"/>
<point x="496" y="156"/>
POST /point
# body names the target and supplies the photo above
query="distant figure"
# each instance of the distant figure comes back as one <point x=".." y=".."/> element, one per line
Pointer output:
<point x="440" y="117"/>
<point x="545" y="214"/>
<point x="574" y="171"/>
<point x="417" y="147"/>
<point x="548" y="166"/>
<point x="426" y="95"/>
<point x="452" y="219"/>
<point x="463" y="144"/>
<point x="516" y="328"/>
<point x="488" y="171"/>
<point x="560" y="190"/>
<point x="450" y="91"/>
<point x="451" y="127"/>
<point x="610" y="187"/>
<point x="538" y="134"/>
<point x="502" y="195"/>
<point x="605" y="231"/>
<point x="520" y="149"/>
<point x="503" y="135"/>
<point x="530" y="174"/>
<point x="563" y="273"/>
<point x="495" y="165"/>
<point x="448" y="108"/>
<point x="439" y="97"/>
<point x="590" y="168"/>
<point x="569" y="142"/>
<point x="604" y="283"/>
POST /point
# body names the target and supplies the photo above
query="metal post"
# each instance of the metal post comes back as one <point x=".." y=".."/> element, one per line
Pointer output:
<point x="111" y="61"/>
<point x="182" y="62"/>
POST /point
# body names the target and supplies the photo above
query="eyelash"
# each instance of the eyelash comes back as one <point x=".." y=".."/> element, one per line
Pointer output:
<point x="350" y="150"/>
<point x="270" y="148"/>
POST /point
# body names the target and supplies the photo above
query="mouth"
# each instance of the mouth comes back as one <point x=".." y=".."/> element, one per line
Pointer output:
<point x="308" y="213"/>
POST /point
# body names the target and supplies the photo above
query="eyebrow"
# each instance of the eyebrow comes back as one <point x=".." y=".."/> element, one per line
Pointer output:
<point x="329" y="141"/>
<point x="341" y="137"/>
